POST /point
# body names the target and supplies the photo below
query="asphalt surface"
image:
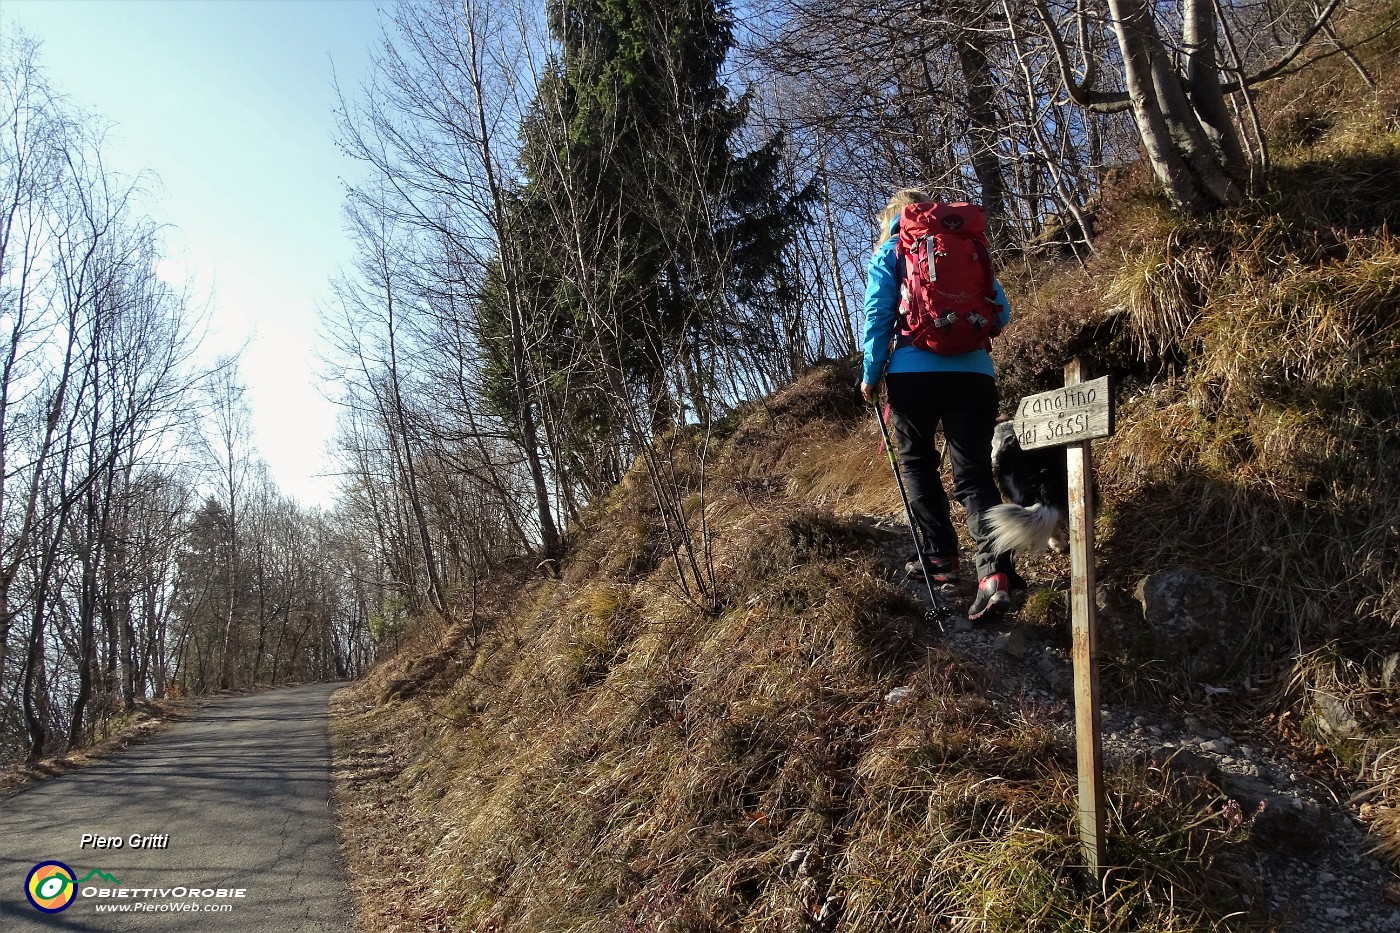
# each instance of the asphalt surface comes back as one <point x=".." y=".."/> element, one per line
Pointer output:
<point x="241" y="790"/>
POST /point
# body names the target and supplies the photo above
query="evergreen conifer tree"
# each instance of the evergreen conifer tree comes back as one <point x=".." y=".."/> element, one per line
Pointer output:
<point x="651" y="236"/>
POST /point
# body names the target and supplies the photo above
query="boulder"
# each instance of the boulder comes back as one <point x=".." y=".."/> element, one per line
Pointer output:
<point x="1013" y="643"/>
<point x="1194" y="620"/>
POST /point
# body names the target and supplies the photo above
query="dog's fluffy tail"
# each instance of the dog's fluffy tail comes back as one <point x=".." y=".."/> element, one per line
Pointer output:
<point x="1023" y="530"/>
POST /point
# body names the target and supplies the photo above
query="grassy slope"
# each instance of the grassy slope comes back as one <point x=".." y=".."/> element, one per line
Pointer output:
<point x="607" y="756"/>
<point x="1258" y="355"/>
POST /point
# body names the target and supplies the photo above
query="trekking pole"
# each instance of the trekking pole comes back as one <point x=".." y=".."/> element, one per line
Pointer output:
<point x="939" y="610"/>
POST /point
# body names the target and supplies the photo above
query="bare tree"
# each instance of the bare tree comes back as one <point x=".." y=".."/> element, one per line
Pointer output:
<point x="97" y="382"/>
<point x="371" y="338"/>
<point x="229" y="455"/>
<point x="1177" y="94"/>
<point x="438" y="127"/>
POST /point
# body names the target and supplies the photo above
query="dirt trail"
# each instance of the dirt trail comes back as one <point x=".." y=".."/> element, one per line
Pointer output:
<point x="1315" y="874"/>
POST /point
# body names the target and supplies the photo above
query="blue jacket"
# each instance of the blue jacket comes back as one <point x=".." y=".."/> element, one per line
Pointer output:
<point x="881" y="311"/>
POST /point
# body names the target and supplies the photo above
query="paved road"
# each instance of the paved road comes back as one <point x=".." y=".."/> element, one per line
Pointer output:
<point x="243" y="793"/>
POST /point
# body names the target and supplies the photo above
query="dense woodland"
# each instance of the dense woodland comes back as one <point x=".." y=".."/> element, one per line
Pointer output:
<point x="592" y="228"/>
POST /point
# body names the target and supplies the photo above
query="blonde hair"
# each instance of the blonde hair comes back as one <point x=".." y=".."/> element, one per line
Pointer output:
<point x="901" y="198"/>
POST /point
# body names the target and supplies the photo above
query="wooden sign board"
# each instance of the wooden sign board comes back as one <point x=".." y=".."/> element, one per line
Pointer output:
<point x="1065" y="416"/>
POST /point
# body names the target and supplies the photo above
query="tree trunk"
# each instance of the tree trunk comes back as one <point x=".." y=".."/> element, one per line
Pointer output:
<point x="1203" y="73"/>
<point x="1136" y="33"/>
<point x="1186" y="128"/>
<point x="984" y="135"/>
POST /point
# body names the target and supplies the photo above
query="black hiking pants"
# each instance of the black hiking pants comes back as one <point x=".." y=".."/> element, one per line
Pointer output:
<point x="966" y="406"/>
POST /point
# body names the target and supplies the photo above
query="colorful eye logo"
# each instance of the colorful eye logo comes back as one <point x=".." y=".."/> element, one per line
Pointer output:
<point x="50" y="887"/>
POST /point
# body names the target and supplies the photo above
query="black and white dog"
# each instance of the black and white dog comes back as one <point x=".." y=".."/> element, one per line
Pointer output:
<point x="1037" y="485"/>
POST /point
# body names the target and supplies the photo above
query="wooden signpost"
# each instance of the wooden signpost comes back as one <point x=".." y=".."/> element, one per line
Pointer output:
<point x="1072" y="416"/>
<point x="1078" y="412"/>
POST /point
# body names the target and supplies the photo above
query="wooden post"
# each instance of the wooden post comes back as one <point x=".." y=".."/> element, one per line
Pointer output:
<point x="1087" y="728"/>
<point x="1072" y="417"/>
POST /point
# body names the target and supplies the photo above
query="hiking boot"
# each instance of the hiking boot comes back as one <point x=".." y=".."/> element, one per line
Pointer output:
<point x="945" y="572"/>
<point x="993" y="598"/>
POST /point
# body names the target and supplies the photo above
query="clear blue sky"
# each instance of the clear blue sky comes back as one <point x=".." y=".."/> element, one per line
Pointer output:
<point x="228" y="103"/>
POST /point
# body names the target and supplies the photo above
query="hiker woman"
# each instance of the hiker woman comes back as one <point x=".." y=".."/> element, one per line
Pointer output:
<point x="953" y="386"/>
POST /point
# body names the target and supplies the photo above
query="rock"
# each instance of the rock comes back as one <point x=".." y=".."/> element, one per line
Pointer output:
<point x="1248" y="792"/>
<point x="1013" y="643"/>
<point x="897" y="694"/>
<point x="1215" y="746"/>
<point x="1291" y="824"/>
<point x="1332" y="715"/>
<point x="1054" y="671"/>
<point x="1184" y="763"/>
<point x="1193" y="619"/>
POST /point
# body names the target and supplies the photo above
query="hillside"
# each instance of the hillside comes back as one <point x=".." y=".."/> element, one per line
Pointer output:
<point x="801" y="751"/>
<point x="605" y="756"/>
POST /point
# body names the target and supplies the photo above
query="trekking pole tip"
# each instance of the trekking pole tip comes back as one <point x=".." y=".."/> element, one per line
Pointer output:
<point x="938" y="615"/>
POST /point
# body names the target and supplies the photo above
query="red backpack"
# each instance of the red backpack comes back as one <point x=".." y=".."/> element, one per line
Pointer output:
<point x="947" y="287"/>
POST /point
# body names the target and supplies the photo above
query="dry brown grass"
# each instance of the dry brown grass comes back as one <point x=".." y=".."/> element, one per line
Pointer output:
<point x="1257" y="356"/>
<point x="1258" y="359"/>
<point x="1278" y="432"/>
<point x="611" y="755"/>
<point x="381" y="833"/>
<point x="1270" y="461"/>
<point x="613" y="758"/>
